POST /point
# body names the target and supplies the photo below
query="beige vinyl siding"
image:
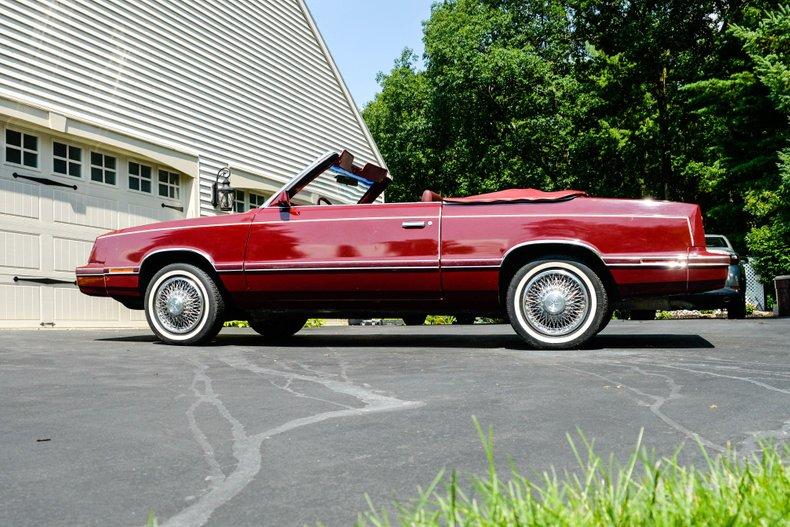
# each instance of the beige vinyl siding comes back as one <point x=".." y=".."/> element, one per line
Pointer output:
<point x="245" y="83"/>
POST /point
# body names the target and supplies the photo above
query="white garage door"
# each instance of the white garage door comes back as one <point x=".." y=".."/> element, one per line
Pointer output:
<point x="47" y="226"/>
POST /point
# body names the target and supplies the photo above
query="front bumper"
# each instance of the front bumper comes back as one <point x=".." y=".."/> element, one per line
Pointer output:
<point x="103" y="281"/>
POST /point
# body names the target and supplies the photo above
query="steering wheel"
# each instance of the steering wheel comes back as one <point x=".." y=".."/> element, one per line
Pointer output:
<point x="323" y="199"/>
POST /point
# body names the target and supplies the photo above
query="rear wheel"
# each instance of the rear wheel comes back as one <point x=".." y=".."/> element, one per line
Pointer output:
<point x="556" y="303"/>
<point x="277" y="328"/>
<point x="737" y="310"/>
<point x="414" y="320"/>
<point x="183" y="305"/>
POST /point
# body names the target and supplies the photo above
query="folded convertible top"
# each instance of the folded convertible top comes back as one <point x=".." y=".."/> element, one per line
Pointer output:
<point x="520" y="194"/>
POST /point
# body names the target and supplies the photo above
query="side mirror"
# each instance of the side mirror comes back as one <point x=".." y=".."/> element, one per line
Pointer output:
<point x="282" y="200"/>
<point x="222" y="194"/>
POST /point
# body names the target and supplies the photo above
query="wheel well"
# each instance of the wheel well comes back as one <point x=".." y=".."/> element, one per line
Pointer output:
<point x="157" y="261"/>
<point x="519" y="257"/>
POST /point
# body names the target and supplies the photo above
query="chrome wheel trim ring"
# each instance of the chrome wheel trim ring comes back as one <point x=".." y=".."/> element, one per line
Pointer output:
<point x="179" y="304"/>
<point x="555" y="302"/>
<point x="521" y="317"/>
<point x="174" y="333"/>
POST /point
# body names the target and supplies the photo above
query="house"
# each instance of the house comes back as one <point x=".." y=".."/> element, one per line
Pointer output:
<point x="115" y="114"/>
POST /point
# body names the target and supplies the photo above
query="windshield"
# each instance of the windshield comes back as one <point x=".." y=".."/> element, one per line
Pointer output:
<point x="333" y="179"/>
<point x="716" y="241"/>
<point x="336" y="186"/>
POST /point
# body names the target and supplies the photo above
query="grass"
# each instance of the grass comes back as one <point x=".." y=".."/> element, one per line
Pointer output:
<point x="726" y="491"/>
<point x="311" y="323"/>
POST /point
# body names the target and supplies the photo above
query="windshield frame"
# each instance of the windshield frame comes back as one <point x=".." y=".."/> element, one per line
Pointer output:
<point x="322" y="164"/>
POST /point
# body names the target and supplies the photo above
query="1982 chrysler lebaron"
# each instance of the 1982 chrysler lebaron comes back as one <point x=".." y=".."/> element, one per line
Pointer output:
<point x="555" y="263"/>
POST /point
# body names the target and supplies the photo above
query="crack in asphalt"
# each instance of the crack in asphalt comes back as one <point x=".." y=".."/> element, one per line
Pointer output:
<point x="714" y="374"/>
<point x="658" y="402"/>
<point x="751" y="445"/>
<point x="247" y="448"/>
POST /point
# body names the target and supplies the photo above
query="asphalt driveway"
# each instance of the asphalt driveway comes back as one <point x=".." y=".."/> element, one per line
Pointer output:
<point x="98" y="427"/>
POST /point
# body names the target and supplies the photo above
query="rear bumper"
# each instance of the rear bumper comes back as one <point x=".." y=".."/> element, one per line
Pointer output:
<point x="718" y="299"/>
<point x="668" y="274"/>
<point x="707" y="271"/>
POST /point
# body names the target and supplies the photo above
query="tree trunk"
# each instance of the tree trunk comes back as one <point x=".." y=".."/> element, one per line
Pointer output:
<point x="664" y="139"/>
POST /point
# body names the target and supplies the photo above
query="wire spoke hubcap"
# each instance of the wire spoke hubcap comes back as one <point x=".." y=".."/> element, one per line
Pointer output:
<point x="556" y="302"/>
<point x="179" y="304"/>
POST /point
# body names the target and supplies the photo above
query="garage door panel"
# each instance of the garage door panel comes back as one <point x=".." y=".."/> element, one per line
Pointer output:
<point x="69" y="253"/>
<point x="141" y="215"/>
<point x="71" y="305"/>
<point x="20" y="302"/>
<point x="88" y="211"/>
<point x="19" y="199"/>
<point x="20" y="250"/>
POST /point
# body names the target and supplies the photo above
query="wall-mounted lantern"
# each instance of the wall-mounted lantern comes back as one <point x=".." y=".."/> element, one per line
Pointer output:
<point x="222" y="194"/>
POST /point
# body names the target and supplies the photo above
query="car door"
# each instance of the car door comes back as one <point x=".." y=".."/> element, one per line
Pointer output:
<point x="344" y="253"/>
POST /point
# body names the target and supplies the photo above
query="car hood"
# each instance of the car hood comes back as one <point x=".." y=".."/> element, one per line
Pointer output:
<point x="226" y="219"/>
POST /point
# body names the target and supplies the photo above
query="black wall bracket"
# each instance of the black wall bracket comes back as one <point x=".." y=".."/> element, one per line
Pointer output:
<point x="174" y="207"/>
<point x="44" y="181"/>
<point x="45" y="281"/>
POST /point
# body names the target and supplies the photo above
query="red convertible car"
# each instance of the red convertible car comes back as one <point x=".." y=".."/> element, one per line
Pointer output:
<point x="555" y="263"/>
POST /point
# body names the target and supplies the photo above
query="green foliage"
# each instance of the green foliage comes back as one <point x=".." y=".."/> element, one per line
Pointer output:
<point x="311" y="323"/>
<point x="643" y="491"/>
<point x="439" y="320"/>
<point x="676" y="100"/>
<point x="768" y="45"/>
<point x="664" y="315"/>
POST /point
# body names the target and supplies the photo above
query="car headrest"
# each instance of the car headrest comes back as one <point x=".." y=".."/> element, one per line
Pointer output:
<point x="429" y="196"/>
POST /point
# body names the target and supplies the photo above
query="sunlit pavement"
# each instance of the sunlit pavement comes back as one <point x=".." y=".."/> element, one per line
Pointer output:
<point x="98" y="427"/>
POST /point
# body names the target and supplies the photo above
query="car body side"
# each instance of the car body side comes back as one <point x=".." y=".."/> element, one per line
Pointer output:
<point x="400" y="257"/>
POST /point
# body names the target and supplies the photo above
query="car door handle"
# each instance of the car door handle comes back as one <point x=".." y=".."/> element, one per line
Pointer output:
<point x="413" y="224"/>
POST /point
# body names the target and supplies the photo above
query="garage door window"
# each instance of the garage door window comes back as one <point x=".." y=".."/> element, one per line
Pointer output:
<point x="21" y="148"/>
<point x="238" y="201"/>
<point x="139" y="177"/>
<point x="169" y="184"/>
<point x="256" y="200"/>
<point x="103" y="168"/>
<point x="66" y="159"/>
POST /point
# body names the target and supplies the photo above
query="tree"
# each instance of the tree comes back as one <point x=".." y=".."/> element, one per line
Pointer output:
<point x="398" y="119"/>
<point x="493" y="108"/>
<point x="768" y="45"/>
<point x="671" y="99"/>
<point x="743" y="131"/>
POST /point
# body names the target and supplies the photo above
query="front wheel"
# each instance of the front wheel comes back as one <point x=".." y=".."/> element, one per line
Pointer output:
<point x="643" y="314"/>
<point x="183" y="305"/>
<point x="276" y="329"/>
<point x="414" y="320"/>
<point x="556" y="303"/>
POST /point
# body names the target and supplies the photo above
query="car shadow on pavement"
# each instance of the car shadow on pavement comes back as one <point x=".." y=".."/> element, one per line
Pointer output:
<point x="657" y="340"/>
<point x="464" y="340"/>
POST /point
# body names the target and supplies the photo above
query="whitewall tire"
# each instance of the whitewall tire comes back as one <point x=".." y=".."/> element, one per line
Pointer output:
<point x="556" y="303"/>
<point x="183" y="305"/>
